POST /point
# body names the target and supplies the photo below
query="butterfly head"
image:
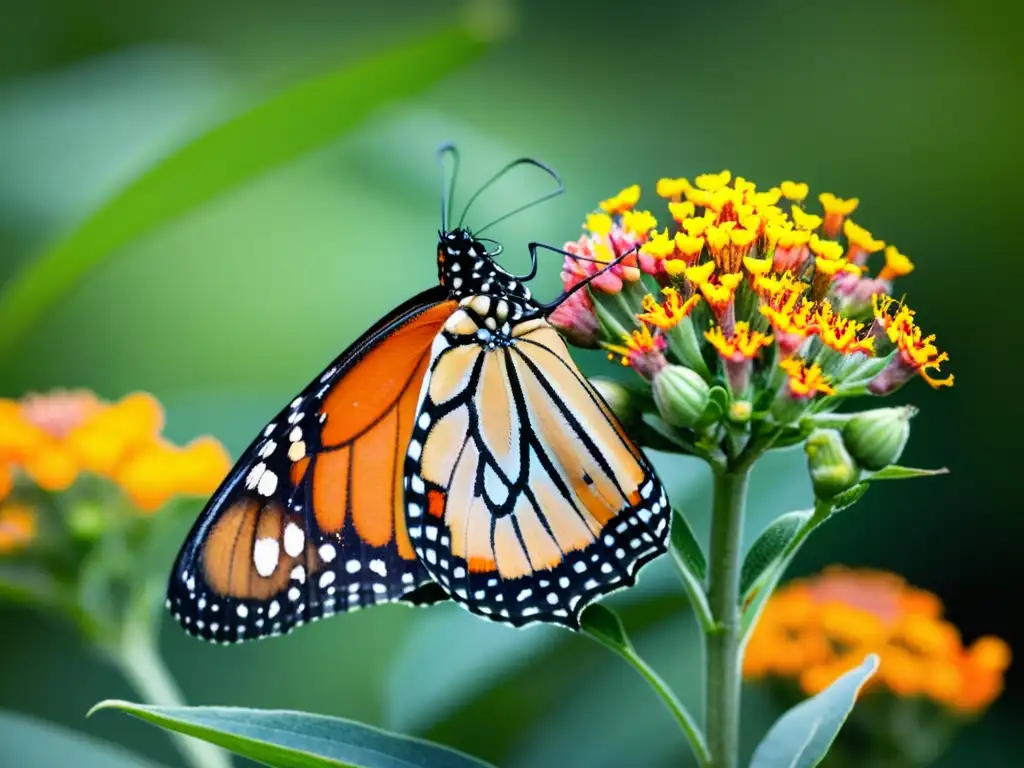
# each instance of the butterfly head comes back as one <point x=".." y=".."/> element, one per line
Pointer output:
<point x="465" y="267"/>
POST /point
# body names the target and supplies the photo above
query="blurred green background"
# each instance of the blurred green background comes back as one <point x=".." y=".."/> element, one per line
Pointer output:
<point x="913" y="107"/>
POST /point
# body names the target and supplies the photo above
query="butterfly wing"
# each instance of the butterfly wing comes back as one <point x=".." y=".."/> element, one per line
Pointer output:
<point x="525" y="498"/>
<point x="311" y="521"/>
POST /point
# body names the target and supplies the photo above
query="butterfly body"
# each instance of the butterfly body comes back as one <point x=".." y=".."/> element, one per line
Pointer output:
<point x="453" y="451"/>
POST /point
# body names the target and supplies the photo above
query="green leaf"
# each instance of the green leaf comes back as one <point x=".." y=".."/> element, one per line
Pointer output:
<point x="895" y="472"/>
<point x="762" y="589"/>
<point x="26" y="742"/>
<point x="283" y="739"/>
<point x="295" y="121"/>
<point x="848" y="498"/>
<point x="770" y="547"/>
<point x="604" y="625"/>
<point x="687" y="548"/>
<point x="802" y="736"/>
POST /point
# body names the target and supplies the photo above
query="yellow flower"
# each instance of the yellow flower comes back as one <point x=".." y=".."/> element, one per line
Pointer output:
<point x="701" y="197"/>
<point x="623" y="201"/>
<point x="793" y="238"/>
<point x="744" y="344"/>
<point x="805" y="381"/>
<point x="896" y="264"/>
<point x="56" y="437"/>
<point x="804" y="220"/>
<point x="720" y="294"/>
<point x="757" y="267"/>
<point x="860" y="239"/>
<point x="659" y="245"/>
<point x="842" y="334"/>
<point x="598" y="223"/>
<point x="813" y="630"/>
<point x="6" y="480"/>
<point x="681" y="211"/>
<point x="836" y="205"/>
<point x="767" y="199"/>
<point x="729" y="245"/>
<point x="794" y="190"/>
<point x="689" y="247"/>
<point x="780" y="290"/>
<point x="792" y="319"/>
<point x="638" y="222"/>
<point x="641" y="350"/>
<point x="696" y="227"/>
<point x="700" y="274"/>
<point x="827" y="249"/>
<point x="710" y="182"/>
<point x="669" y="313"/>
<point x="154" y="475"/>
<point x="836" y="209"/>
<point x="917" y="352"/>
<point x="673" y="189"/>
<point x="825" y="271"/>
<point x="17" y="527"/>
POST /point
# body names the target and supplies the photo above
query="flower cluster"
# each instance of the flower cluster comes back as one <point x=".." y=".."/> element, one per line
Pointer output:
<point x="51" y="441"/>
<point x="779" y="305"/>
<point x="812" y="631"/>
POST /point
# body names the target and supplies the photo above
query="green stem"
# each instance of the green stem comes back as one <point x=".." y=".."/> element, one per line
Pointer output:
<point x="723" y="645"/>
<point x="140" y="662"/>
<point x="686" y="722"/>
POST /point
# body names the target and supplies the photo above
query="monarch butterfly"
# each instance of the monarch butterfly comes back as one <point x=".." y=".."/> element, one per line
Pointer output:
<point x="453" y="451"/>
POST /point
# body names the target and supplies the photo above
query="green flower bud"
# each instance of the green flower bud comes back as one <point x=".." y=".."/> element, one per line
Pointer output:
<point x="832" y="468"/>
<point x="680" y="394"/>
<point x="740" y="411"/>
<point x="876" y="438"/>
<point x="618" y="398"/>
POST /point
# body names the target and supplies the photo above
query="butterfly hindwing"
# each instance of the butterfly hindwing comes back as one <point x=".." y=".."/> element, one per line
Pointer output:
<point x="525" y="498"/>
<point x="311" y="521"/>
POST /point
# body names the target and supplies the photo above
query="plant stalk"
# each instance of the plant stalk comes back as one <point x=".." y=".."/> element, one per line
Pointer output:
<point x="686" y="722"/>
<point x="140" y="662"/>
<point x="723" y="643"/>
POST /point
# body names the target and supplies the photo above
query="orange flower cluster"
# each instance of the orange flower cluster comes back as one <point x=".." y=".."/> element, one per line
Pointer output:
<point x="56" y="437"/>
<point x="814" y="630"/>
<point x="753" y="259"/>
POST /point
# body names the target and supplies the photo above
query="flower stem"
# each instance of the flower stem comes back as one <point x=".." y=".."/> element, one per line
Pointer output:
<point x="140" y="662"/>
<point x="686" y="722"/>
<point x="723" y="644"/>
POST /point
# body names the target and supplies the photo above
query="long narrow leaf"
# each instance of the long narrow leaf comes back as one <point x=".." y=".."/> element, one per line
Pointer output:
<point x="295" y="121"/>
<point x="802" y="737"/>
<point x="283" y="739"/>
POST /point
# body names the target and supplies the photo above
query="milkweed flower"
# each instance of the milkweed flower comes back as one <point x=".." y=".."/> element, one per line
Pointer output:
<point x="642" y="350"/>
<point x="916" y="354"/>
<point x="813" y="630"/>
<point x="575" y="318"/>
<point x="53" y="439"/>
<point x="776" y="298"/>
<point x="17" y="527"/>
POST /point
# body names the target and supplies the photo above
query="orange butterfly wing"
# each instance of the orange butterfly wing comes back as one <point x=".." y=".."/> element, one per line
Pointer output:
<point x="526" y="499"/>
<point x="311" y="520"/>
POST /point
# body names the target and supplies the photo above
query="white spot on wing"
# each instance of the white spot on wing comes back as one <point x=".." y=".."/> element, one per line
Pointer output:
<point x="267" y="484"/>
<point x="265" y="554"/>
<point x="294" y="540"/>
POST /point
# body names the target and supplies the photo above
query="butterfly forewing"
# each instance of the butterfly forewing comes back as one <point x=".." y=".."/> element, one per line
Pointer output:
<point x="525" y="498"/>
<point x="311" y="521"/>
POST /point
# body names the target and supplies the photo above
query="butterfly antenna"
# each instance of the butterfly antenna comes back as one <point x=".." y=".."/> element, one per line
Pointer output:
<point x="447" y="184"/>
<point x="559" y="189"/>
<point x="533" y="247"/>
<point x="498" y="247"/>
<point x="547" y="309"/>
